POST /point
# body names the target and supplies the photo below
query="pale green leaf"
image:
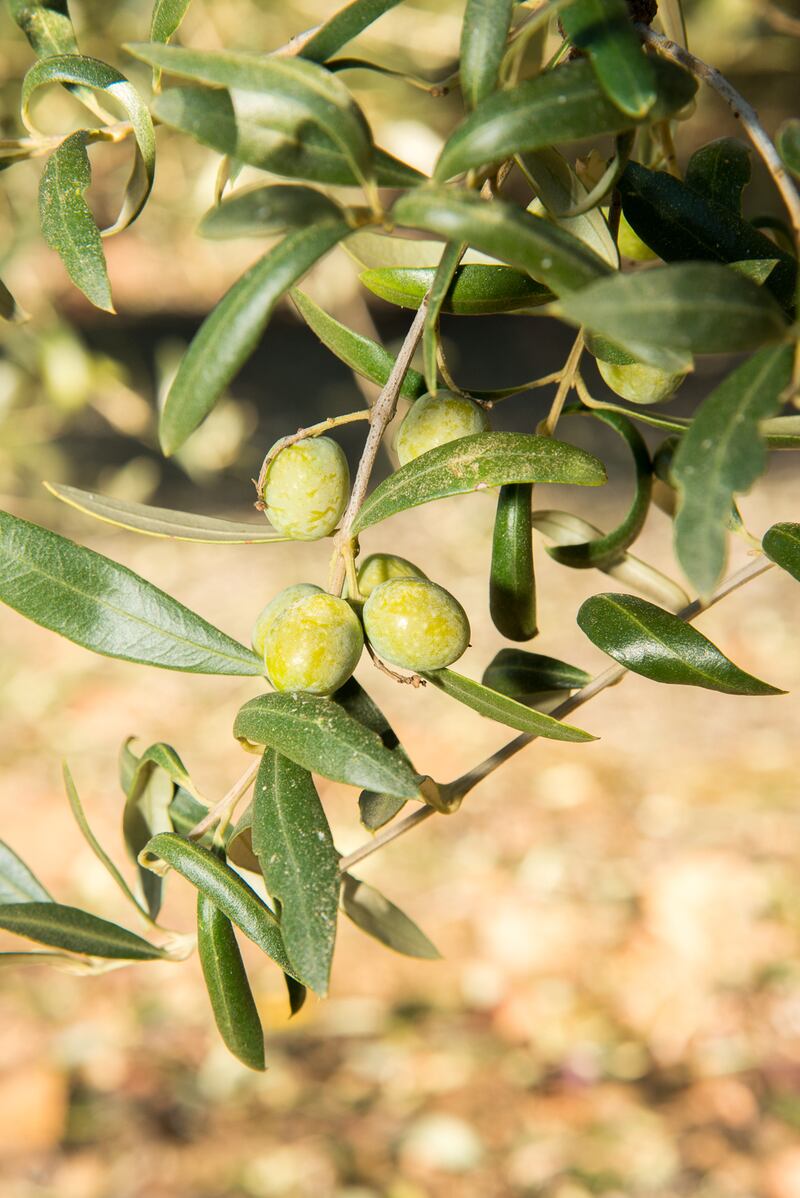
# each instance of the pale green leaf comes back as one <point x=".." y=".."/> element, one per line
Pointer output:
<point x="67" y="222"/>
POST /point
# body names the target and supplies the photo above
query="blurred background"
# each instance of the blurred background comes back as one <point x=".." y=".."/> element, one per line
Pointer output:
<point x="617" y="1010"/>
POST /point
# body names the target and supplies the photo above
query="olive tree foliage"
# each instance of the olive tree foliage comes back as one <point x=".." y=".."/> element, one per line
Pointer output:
<point x="649" y="264"/>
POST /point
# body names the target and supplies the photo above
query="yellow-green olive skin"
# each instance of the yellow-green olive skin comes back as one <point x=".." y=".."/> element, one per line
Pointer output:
<point x="307" y="488"/>
<point x="276" y="607"/>
<point x="415" y="624"/>
<point x="638" y="382"/>
<point x="314" y="645"/>
<point x="380" y="567"/>
<point x="436" y="418"/>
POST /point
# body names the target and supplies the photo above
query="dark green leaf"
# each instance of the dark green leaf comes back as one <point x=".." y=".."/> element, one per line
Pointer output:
<point x="603" y="29"/>
<point x="318" y="734"/>
<point x="360" y="353"/>
<point x="185" y="812"/>
<point x="296" y="992"/>
<point x="225" y="976"/>
<point x="230" y="893"/>
<point x="17" y="883"/>
<point x="610" y="547"/>
<point x="475" y="291"/>
<point x="519" y="674"/>
<point x="376" y="916"/>
<point x="232" y="331"/>
<point x="721" y="455"/>
<point x="550" y="254"/>
<point x="788" y="143"/>
<point x="483" y="43"/>
<point x="782" y="545"/>
<point x="477" y="462"/>
<point x="264" y="211"/>
<point x="239" y="843"/>
<point x="67" y="222"/>
<point x="663" y="315"/>
<point x="343" y="26"/>
<point x="720" y="171"/>
<point x="499" y="707"/>
<point x="567" y="103"/>
<point x="248" y="128"/>
<point x="512" y="586"/>
<point x="659" y="645"/>
<point x="781" y="432"/>
<point x="107" y="608"/>
<point x="374" y="809"/>
<point x="9" y="309"/>
<point x="161" y="521"/>
<point x="440" y="286"/>
<point x="300" y="865"/>
<point x="679" y="223"/>
<point x="75" y="930"/>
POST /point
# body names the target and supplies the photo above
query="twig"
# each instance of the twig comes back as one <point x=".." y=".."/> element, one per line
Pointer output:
<point x="313" y="430"/>
<point x="566" y="381"/>
<point x="224" y="808"/>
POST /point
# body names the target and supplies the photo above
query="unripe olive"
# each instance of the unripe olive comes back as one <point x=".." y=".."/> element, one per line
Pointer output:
<point x="314" y="645"/>
<point x="415" y="624"/>
<point x="638" y="382"/>
<point x="380" y="567"/>
<point x="630" y="243"/>
<point x="276" y="607"/>
<point x="307" y="488"/>
<point x="435" y="419"/>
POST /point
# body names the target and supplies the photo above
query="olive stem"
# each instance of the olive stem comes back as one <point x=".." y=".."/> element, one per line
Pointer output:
<point x="223" y="810"/>
<point x="566" y="382"/>
<point x="313" y="430"/>
<point x="456" y="790"/>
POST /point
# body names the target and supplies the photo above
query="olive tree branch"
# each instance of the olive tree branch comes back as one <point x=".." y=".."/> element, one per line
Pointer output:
<point x="454" y="792"/>
<point x="224" y="809"/>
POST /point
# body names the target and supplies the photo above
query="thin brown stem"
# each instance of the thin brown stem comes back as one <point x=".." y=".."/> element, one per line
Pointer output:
<point x="223" y="810"/>
<point x="566" y="382"/>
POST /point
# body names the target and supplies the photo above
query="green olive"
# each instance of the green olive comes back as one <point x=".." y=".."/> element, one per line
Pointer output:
<point x="631" y="245"/>
<point x="436" y="418"/>
<point x="415" y="624"/>
<point x="276" y="607"/>
<point x="638" y="382"/>
<point x="307" y="488"/>
<point x="380" y="567"/>
<point x="314" y="645"/>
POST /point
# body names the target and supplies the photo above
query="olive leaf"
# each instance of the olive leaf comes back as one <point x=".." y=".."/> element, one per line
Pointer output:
<point x="563" y="194"/>
<point x="165" y="20"/>
<point x="375" y="809"/>
<point x="781" y="544"/>
<point x="477" y="462"/>
<point x="239" y="842"/>
<point x="319" y="735"/>
<point x="9" y="309"/>
<point x="105" y="607"/>
<point x="476" y="290"/>
<point x="67" y="222"/>
<point x="231" y="332"/>
<point x="483" y="43"/>
<point x="232" y="1001"/>
<point x="75" y="930"/>
<point x="161" y="521"/>
<point x="659" y="645"/>
<point x="82" y="821"/>
<point x="497" y="706"/>
<point x="527" y="676"/>
<point x="788" y="144"/>
<point x="293" y="842"/>
<point x="17" y="883"/>
<point x="720" y="171"/>
<point x="265" y="210"/>
<point x="375" y="915"/>
<point x="512" y="586"/>
<point x="721" y="455"/>
<point x="147" y="811"/>
<point x="603" y="29"/>
<point x="343" y="26"/>
<point x="48" y="27"/>
<point x="440" y="285"/>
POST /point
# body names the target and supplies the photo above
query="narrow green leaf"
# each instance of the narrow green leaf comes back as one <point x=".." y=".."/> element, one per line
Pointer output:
<point x="721" y="455"/>
<point x="48" y="28"/>
<point x="17" y="883"/>
<point x="94" y="844"/>
<point x="603" y="29"/>
<point x="562" y="193"/>
<point x="549" y="254"/>
<point x="601" y="551"/>
<point x="318" y="734"/>
<point x="263" y="211"/>
<point x="679" y="223"/>
<point x="343" y="26"/>
<point x="223" y="886"/>
<point x="147" y="811"/>
<point x="477" y="290"/>
<point x="298" y="94"/>
<point x="757" y="269"/>
<point x="442" y="282"/>
<point x="239" y="842"/>
<point x="519" y="674"/>
<point x="483" y="42"/>
<point x="77" y="69"/>
<point x="230" y="334"/>
<point x="781" y="432"/>
<point x="663" y="315"/>
<point x="477" y="462"/>
<point x="107" y="608"/>
<point x="375" y="251"/>
<point x="382" y="920"/>
<point x="360" y="353"/>
<point x="75" y="930"/>
<point x="9" y="309"/>
<point x="567" y="102"/>
<point x="720" y="171"/>
<point x="293" y="842"/>
<point x="67" y="222"/>
<point x="497" y="706"/>
<point x="659" y="645"/>
<point x="512" y="586"/>
<point x="251" y="129"/>
<point x="781" y="544"/>
<point x="185" y="811"/>
<point x="225" y="976"/>
<point x="375" y="809"/>
<point x="788" y="143"/>
<point x="161" y="521"/>
<point x="296" y="993"/>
